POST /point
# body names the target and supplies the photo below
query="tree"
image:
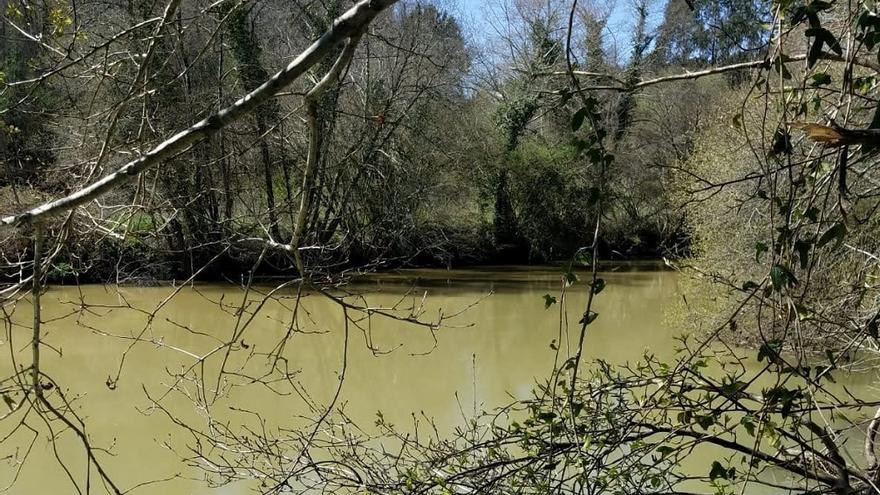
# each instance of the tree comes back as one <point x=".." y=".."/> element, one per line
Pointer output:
<point x="705" y="32"/>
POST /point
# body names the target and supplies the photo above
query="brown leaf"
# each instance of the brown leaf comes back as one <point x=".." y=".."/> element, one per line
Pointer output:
<point x="821" y="133"/>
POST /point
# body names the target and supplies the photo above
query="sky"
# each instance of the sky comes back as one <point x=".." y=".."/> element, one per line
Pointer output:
<point x="474" y="15"/>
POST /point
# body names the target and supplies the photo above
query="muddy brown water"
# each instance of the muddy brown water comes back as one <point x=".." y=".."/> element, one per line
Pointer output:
<point x="493" y="352"/>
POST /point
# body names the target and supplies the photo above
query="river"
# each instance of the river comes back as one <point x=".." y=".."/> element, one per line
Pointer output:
<point x="491" y="353"/>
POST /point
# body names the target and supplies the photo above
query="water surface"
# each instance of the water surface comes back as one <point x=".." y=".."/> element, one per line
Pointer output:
<point x="494" y="351"/>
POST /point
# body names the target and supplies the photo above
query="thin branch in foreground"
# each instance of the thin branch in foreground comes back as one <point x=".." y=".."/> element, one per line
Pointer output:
<point x="688" y="75"/>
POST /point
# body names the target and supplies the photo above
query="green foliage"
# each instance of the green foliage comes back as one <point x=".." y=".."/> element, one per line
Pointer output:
<point x="546" y="48"/>
<point x="702" y="32"/>
<point x="782" y="277"/>
<point x="410" y="158"/>
<point x="820" y="79"/>
<point x="821" y="37"/>
<point x="770" y="351"/>
<point x="718" y="471"/>
<point x="757" y="218"/>
<point x="577" y="120"/>
<point x="549" y="192"/>
<point x="760" y="249"/>
<point x="512" y="118"/>
<point x="59" y="19"/>
<point x="781" y="143"/>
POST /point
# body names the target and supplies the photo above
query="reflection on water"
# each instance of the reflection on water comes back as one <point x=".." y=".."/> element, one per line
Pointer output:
<point x="486" y="357"/>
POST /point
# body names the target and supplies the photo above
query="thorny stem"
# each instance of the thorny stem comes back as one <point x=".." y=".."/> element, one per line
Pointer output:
<point x="585" y="322"/>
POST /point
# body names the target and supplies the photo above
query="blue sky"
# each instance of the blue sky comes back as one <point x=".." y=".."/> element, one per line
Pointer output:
<point x="618" y="30"/>
<point x="471" y="7"/>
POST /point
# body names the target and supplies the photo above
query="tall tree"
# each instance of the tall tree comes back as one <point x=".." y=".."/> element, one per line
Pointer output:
<point x="708" y="32"/>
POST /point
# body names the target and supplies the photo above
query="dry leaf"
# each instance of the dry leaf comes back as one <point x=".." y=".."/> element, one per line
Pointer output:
<point x="821" y="133"/>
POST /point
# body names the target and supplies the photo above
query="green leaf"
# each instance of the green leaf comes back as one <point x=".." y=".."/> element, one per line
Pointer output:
<point x="821" y="36"/>
<point x="803" y="312"/>
<point x="782" y="277"/>
<point x="783" y="396"/>
<point x="827" y="38"/>
<point x="706" y="421"/>
<point x="781" y="142"/>
<point x="864" y="84"/>
<point x="10" y="403"/>
<point x="598" y="285"/>
<point x="770" y="350"/>
<point x="875" y="124"/>
<point x="814" y="53"/>
<point x="779" y="65"/>
<point x="737" y="121"/>
<point x="564" y="96"/>
<point x="549" y="300"/>
<point x="583" y="258"/>
<point x="589" y="318"/>
<point x="813" y="213"/>
<point x="748" y="423"/>
<point x="717" y="471"/>
<point x="810" y="12"/>
<point x="732" y="388"/>
<point x="824" y="372"/>
<point x="803" y="251"/>
<point x="577" y="120"/>
<point x="665" y="450"/>
<point x="820" y="79"/>
<point x="760" y="249"/>
<point x="593" y="196"/>
<point x="820" y="5"/>
<point x="750" y="285"/>
<point x="837" y="232"/>
<point x="684" y="417"/>
<point x="546" y="416"/>
<point x="872" y="327"/>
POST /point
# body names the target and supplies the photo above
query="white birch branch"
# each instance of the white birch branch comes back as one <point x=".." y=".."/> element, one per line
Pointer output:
<point x="700" y="73"/>
<point x="350" y="23"/>
<point x="311" y="100"/>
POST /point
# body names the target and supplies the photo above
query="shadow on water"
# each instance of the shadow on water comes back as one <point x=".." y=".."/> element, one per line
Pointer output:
<point x="514" y="278"/>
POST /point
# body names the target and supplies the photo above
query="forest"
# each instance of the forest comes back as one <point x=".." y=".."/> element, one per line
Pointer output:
<point x="281" y="152"/>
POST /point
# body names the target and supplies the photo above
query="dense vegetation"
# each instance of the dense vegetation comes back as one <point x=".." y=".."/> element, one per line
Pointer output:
<point x="737" y="138"/>
<point x="432" y="152"/>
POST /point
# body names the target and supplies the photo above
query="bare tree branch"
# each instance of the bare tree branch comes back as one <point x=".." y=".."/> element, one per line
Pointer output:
<point x="698" y="74"/>
<point x="312" y="160"/>
<point x="351" y="22"/>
